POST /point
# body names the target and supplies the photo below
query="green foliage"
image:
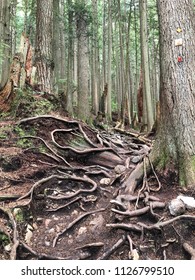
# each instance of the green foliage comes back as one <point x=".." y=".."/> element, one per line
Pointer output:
<point x="19" y="215"/>
<point x="4" y="239"/>
<point x="23" y="142"/>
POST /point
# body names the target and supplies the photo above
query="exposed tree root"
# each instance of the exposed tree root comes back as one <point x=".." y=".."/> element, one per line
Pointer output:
<point x="190" y="250"/>
<point x="15" y="236"/>
<point x="74" y="223"/>
<point x="160" y="224"/>
<point x="141" y="211"/>
<point x="38" y="255"/>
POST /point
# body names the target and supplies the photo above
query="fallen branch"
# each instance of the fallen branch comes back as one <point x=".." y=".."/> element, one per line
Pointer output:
<point x="117" y="245"/>
<point x="129" y="227"/>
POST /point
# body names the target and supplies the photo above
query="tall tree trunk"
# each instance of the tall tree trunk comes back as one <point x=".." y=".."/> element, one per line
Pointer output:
<point x="69" y="88"/>
<point x="145" y="63"/>
<point x="5" y="41"/>
<point x="176" y="136"/>
<point x="56" y="43"/>
<point x="109" y="97"/>
<point x="94" y="62"/>
<point x="43" y="49"/>
<point x="83" y="61"/>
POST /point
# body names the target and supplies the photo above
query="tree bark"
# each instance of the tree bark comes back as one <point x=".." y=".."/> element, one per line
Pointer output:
<point x="176" y="135"/>
<point x="83" y="61"/>
<point x="145" y="63"/>
<point x="5" y="41"/>
<point x="43" y="49"/>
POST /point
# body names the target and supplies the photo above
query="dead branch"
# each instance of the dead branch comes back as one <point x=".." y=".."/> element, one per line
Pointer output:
<point x="9" y="197"/>
<point x="142" y="139"/>
<point x="91" y="245"/>
<point x="129" y="227"/>
<point x="75" y="222"/>
<point x="117" y="245"/>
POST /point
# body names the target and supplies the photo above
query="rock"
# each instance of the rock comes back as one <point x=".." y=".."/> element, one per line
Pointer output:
<point x="51" y="230"/>
<point x="97" y="223"/>
<point x="136" y="159"/>
<point x="47" y="222"/>
<point x="82" y="230"/>
<point x="47" y="243"/>
<point x="8" y="248"/>
<point x="188" y="201"/>
<point x="105" y="181"/>
<point x="29" y="234"/>
<point x="177" y="207"/>
<point x="119" y="169"/>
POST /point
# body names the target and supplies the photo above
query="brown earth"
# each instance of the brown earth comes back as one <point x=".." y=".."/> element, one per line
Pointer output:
<point x="54" y="203"/>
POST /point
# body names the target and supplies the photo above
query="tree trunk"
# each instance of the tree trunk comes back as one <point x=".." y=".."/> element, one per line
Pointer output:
<point x="43" y="49"/>
<point x="83" y="61"/>
<point x="109" y="97"/>
<point x="145" y="63"/>
<point x="5" y="41"/>
<point x="176" y="135"/>
<point x="69" y="87"/>
<point x="56" y="43"/>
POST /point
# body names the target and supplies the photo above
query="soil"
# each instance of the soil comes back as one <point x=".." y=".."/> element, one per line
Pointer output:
<point x="63" y="209"/>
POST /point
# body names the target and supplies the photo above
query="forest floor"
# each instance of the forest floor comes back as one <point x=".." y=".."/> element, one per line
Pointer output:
<point x="69" y="191"/>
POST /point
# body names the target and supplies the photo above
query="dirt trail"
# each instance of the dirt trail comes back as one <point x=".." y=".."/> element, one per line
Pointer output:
<point x="68" y="191"/>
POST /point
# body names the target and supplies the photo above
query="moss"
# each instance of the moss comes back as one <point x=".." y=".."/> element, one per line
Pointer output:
<point x="18" y="215"/>
<point x="4" y="239"/>
<point x="187" y="171"/>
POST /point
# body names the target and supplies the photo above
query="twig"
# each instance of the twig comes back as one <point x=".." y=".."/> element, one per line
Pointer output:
<point x="74" y="223"/>
<point x="128" y="227"/>
<point x="117" y="245"/>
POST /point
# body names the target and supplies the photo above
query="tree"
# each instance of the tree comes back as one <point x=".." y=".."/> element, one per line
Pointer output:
<point x="5" y="41"/>
<point x="83" y="59"/>
<point x="145" y="63"/>
<point x="43" y="48"/>
<point x="176" y="135"/>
